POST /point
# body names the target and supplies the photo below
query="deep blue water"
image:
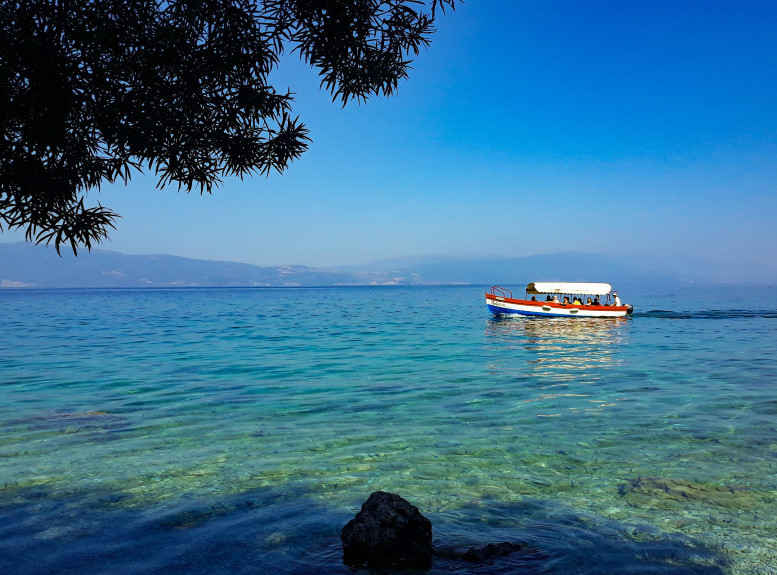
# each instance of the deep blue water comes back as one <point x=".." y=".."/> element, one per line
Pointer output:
<point x="237" y="430"/>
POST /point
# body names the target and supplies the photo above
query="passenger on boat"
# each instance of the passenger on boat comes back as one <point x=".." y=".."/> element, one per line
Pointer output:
<point x="589" y="302"/>
<point x="596" y="301"/>
<point x="555" y="299"/>
<point x="617" y="300"/>
<point x="534" y="298"/>
<point x="566" y="299"/>
<point x="577" y="301"/>
<point x="549" y="298"/>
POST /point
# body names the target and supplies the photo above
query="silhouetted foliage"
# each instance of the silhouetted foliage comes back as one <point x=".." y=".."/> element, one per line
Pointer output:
<point x="91" y="90"/>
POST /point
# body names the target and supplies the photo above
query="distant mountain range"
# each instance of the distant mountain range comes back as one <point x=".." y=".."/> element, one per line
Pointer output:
<point x="31" y="266"/>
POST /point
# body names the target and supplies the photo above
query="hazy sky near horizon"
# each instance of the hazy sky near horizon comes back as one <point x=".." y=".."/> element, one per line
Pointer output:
<point x="527" y="127"/>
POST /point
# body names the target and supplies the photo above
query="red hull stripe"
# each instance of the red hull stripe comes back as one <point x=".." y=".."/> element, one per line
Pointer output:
<point x="552" y="304"/>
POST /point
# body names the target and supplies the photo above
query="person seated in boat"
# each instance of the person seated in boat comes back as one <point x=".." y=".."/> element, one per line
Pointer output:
<point x="549" y="298"/>
<point x="577" y="301"/>
<point x="555" y="299"/>
<point x="534" y="298"/>
<point x="597" y="301"/>
<point x="589" y="302"/>
<point x="566" y="300"/>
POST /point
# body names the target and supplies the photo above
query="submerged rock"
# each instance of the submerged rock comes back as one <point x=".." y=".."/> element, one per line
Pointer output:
<point x="494" y="551"/>
<point x="490" y="552"/>
<point x="94" y="422"/>
<point x="676" y="493"/>
<point x="388" y="531"/>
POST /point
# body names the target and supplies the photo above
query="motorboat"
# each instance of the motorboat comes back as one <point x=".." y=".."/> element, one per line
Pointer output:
<point x="559" y="299"/>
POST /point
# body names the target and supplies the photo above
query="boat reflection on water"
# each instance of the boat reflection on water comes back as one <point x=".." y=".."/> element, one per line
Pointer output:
<point x="560" y="347"/>
<point x="562" y="359"/>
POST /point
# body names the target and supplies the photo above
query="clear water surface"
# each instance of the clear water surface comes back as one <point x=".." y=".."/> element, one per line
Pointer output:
<point x="237" y="430"/>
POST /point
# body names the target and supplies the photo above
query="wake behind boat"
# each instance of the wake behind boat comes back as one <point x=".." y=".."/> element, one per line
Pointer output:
<point x="563" y="299"/>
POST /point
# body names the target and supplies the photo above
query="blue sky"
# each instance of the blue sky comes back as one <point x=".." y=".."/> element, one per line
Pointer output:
<point x="644" y="128"/>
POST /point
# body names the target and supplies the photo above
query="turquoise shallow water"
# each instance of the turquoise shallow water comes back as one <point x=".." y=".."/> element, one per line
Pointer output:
<point x="237" y="430"/>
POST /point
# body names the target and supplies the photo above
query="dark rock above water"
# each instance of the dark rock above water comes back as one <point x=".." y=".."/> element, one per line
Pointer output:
<point x="388" y="531"/>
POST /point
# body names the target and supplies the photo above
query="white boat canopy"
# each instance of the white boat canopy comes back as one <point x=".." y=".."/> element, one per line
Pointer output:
<point x="571" y="288"/>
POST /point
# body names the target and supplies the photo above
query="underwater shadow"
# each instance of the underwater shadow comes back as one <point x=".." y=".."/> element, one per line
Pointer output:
<point x="559" y="540"/>
<point x="283" y="531"/>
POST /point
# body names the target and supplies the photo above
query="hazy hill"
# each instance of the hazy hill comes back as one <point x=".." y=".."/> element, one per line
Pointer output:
<point x="26" y="265"/>
<point x="566" y="266"/>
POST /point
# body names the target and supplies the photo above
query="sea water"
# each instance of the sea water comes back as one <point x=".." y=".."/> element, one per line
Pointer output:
<point x="226" y="431"/>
